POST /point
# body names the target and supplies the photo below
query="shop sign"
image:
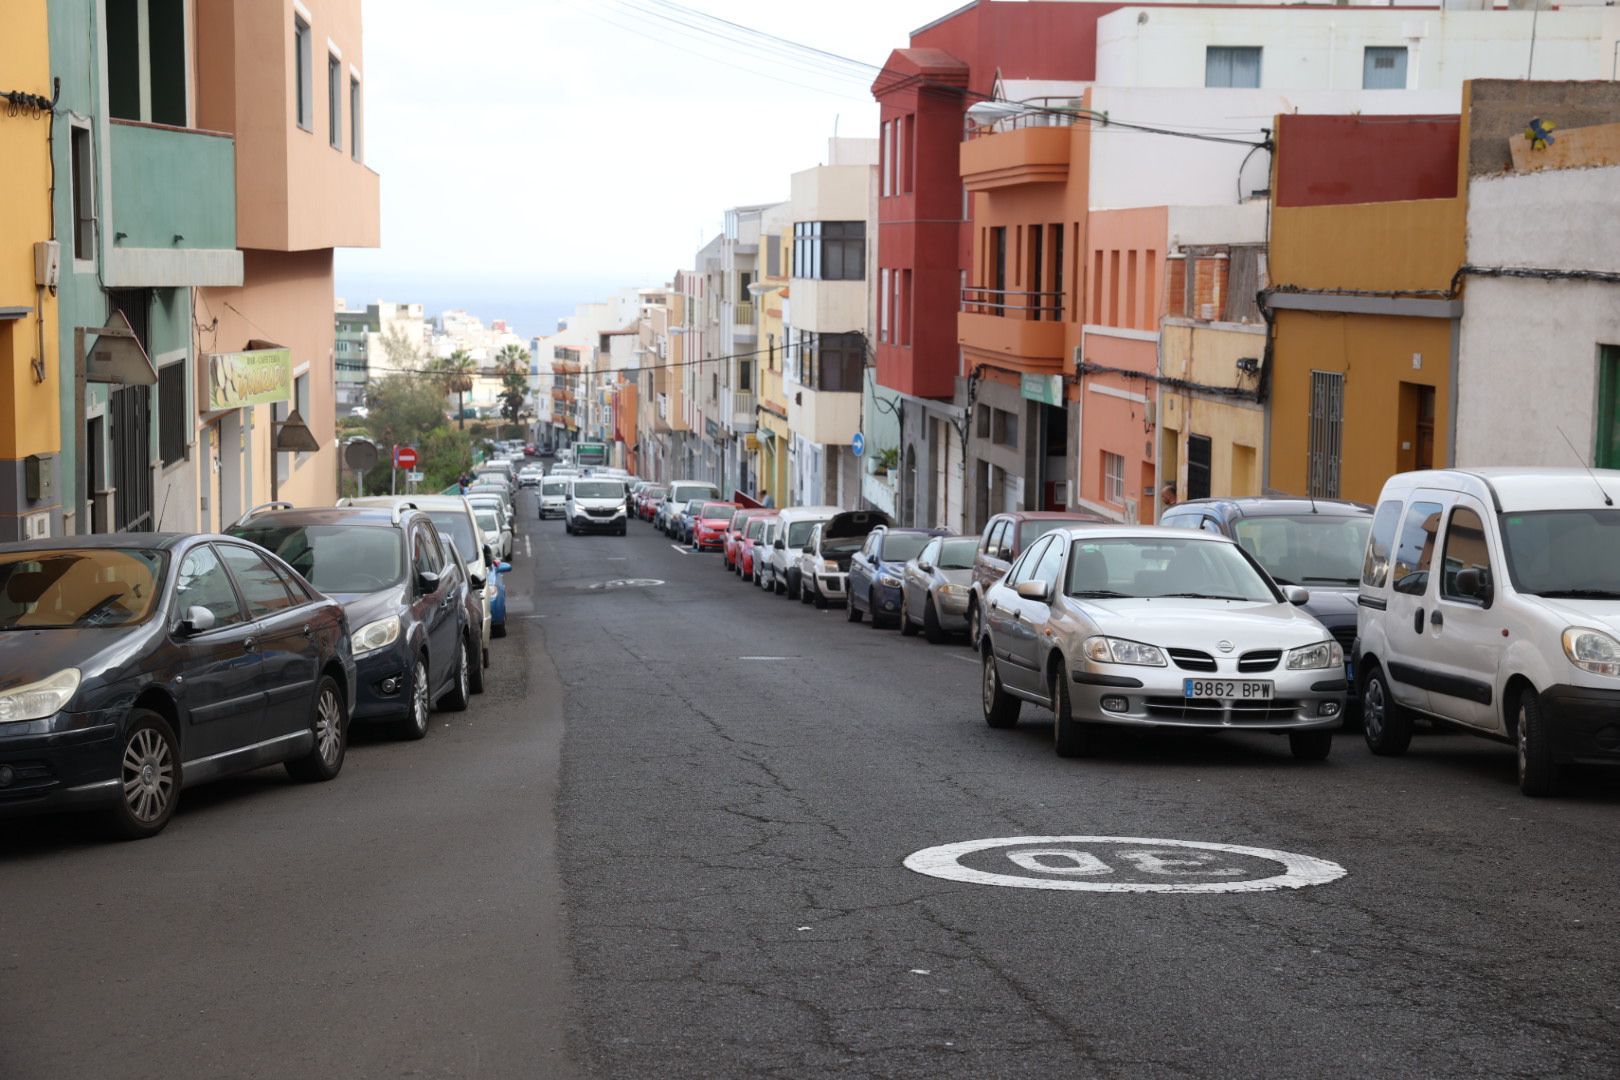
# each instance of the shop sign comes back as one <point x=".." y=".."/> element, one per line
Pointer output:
<point x="252" y="377"/>
<point x="1047" y="389"/>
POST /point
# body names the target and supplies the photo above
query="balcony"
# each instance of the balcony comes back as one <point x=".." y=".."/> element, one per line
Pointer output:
<point x="829" y="417"/>
<point x="1025" y="155"/>
<point x="738" y="408"/>
<point x="744" y="330"/>
<point x="1019" y="331"/>
<point x="173" y="220"/>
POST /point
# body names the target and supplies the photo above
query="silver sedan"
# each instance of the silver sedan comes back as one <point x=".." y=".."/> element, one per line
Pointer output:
<point x="1147" y="627"/>
<point x="935" y="587"/>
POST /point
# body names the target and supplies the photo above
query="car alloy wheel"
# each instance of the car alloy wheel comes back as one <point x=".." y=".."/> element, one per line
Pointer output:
<point x="415" y="725"/>
<point x="329" y="727"/>
<point x="148" y="775"/>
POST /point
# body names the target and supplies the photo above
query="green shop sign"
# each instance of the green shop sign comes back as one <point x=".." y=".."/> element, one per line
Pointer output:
<point x="1047" y="389"/>
<point x="254" y="377"/>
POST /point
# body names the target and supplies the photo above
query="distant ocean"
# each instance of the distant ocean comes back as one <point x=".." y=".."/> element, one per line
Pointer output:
<point x="528" y="314"/>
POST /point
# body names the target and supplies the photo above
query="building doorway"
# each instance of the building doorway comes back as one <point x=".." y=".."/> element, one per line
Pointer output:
<point x="95" y="496"/>
<point x="1416" y="450"/>
<point x="1199" y="452"/>
<point x="1054" y="457"/>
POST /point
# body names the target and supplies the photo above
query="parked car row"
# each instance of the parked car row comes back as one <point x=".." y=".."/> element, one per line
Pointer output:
<point x="135" y="665"/>
<point x="1485" y="600"/>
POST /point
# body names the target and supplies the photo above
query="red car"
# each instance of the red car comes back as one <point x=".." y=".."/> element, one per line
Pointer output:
<point x="647" y="500"/>
<point x="749" y="544"/>
<point x="734" y="533"/>
<point x="710" y="524"/>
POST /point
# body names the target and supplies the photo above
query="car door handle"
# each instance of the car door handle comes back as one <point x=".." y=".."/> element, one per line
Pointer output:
<point x="1417" y="621"/>
<point x="1437" y="619"/>
<point x="309" y="631"/>
<point x="249" y="644"/>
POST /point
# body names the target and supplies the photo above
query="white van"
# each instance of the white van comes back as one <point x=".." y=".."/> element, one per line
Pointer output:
<point x="1490" y="600"/>
<point x="553" y="496"/>
<point x="794" y="526"/>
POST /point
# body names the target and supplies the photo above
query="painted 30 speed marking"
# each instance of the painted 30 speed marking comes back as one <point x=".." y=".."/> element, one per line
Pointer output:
<point x="1128" y="864"/>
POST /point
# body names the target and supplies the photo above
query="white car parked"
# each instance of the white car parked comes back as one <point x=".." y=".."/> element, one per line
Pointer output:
<point x="794" y="527"/>
<point x="1490" y="600"/>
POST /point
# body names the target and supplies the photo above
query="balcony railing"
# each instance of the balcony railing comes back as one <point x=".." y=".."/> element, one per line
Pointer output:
<point x="1014" y="304"/>
<point x="995" y="117"/>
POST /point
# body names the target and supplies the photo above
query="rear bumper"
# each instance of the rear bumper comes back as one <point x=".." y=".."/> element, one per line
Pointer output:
<point x="1585" y="724"/>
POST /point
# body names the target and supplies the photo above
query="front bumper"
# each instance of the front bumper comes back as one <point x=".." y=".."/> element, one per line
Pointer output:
<point x="591" y="523"/>
<point x="888" y="599"/>
<point x="1584" y="722"/>
<point x="550" y="510"/>
<point x="833" y="584"/>
<point x="382" y="684"/>
<point x="951" y="611"/>
<point x="1155" y="697"/>
<point x="69" y="762"/>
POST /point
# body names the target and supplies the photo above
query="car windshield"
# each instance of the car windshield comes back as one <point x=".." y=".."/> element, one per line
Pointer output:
<point x="1031" y="531"/>
<point x="688" y="492"/>
<point x="55" y="590"/>
<point x="901" y="547"/>
<point x="655" y="492"/>
<point x="554" y="487"/>
<point x="692" y="505"/>
<point x="957" y="554"/>
<point x="1141" y="567"/>
<point x="335" y="558"/>
<point x="756" y="528"/>
<point x="488" y="521"/>
<point x="799" y="532"/>
<point x="454" y="524"/>
<point x="598" y="489"/>
<point x="1573" y="554"/>
<point x="711" y="511"/>
<point x="1307" y="549"/>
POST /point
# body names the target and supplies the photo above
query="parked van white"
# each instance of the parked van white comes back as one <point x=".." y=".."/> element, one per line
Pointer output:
<point x="795" y="525"/>
<point x="1490" y="599"/>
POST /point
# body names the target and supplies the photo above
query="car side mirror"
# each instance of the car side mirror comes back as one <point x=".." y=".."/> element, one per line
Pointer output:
<point x="779" y="546"/>
<point x="198" y="620"/>
<point x="427" y="581"/>
<point x="927" y="568"/>
<point x="1476" y="583"/>
<point x="503" y="568"/>
<point x="489" y="555"/>
<point x="1297" y="596"/>
<point x="1033" y="590"/>
<point x="477" y="581"/>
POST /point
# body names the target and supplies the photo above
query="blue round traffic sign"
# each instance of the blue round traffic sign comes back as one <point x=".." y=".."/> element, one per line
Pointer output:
<point x="858" y="444"/>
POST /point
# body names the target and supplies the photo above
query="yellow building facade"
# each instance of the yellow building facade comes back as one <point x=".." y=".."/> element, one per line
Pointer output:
<point x="1209" y="439"/>
<point x="30" y="423"/>
<point x="774" y="435"/>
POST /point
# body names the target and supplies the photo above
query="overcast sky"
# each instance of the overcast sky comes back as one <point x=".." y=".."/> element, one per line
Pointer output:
<point x="539" y="153"/>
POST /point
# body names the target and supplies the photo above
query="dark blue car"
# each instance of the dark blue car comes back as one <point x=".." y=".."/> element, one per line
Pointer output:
<point x="877" y="572"/>
<point x="405" y="597"/>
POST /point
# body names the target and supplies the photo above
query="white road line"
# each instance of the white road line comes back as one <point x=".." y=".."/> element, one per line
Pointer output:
<point x="528" y="548"/>
<point x="682" y="550"/>
<point x="767" y="657"/>
<point x="959" y="656"/>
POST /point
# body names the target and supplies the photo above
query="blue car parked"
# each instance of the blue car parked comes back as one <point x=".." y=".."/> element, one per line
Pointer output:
<point x="877" y="572"/>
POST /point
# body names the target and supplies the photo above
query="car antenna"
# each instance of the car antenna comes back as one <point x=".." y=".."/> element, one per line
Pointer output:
<point x="1606" y="500"/>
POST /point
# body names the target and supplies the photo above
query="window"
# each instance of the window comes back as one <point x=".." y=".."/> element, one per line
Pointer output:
<point x="334" y="100"/>
<point x="1024" y="569"/>
<point x="1607" y="455"/>
<point x="261" y="586"/>
<point x="1200" y="449"/>
<point x="305" y="78"/>
<point x="1466" y="549"/>
<point x="1375" y="571"/>
<point x="1113" y="467"/>
<point x="84" y="194"/>
<point x="354" y="118"/>
<point x="202" y="582"/>
<point x="829" y="250"/>
<point x="1050" y="568"/>
<point x="773" y="256"/>
<point x="1005" y="430"/>
<point x="904" y="316"/>
<point x="887" y="167"/>
<point x="146" y="83"/>
<point x="999" y="546"/>
<point x="1415" y="550"/>
<point x="745" y="376"/>
<point x="172" y="414"/>
<point x="1326" y="434"/>
<point x="908" y="151"/>
<point x="883" y="304"/>
<point x="425" y="557"/>
<point x="1232" y="66"/>
<point x="1383" y="68"/>
<point x="832" y="362"/>
<point x="981" y="422"/>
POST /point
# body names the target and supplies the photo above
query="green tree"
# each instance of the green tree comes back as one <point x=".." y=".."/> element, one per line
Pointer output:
<point x="455" y="374"/>
<point x="445" y="455"/>
<point x="513" y="367"/>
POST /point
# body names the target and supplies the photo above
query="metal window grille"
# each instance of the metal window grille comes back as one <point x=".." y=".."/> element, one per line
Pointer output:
<point x="172" y="415"/>
<point x="131" y="457"/>
<point x="1327" y="433"/>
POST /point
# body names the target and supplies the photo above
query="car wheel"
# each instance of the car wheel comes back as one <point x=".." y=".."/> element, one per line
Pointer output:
<point x="804" y="593"/>
<point x="1000" y="707"/>
<point x="459" y="695"/>
<point x="822" y="603"/>
<point x="486" y="651"/>
<point x="414" y="725"/>
<point x="878" y="621"/>
<point x="1070" y="737"/>
<point x="623" y="530"/>
<point x="851" y="612"/>
<point x="330" y="726"/>
<point x="475" y="674"/>
<point x="975" y="630"/>
<point x="1310" y="745"/>
<point x="149" y="778"/>
<point x="1385" y="723"/>
<point x="1538" y="775"/>
<point x="794" y="587"/>
<point x="931" y="628"/>
<point x="778" y="586"/>
<point x="907" y="627"/>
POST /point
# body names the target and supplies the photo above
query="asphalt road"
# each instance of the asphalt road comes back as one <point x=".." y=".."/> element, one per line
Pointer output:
<point x="717" y="888"/>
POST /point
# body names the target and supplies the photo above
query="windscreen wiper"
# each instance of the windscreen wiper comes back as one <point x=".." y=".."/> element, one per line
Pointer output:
<point x="1579" y="594"/>
<point x="1099" y="594"/>
<point x="1197" y="596"/>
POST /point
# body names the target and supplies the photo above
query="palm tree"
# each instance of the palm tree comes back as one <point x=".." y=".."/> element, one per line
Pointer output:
<point x="455" y="376"/>
<point x="512" y="365"/>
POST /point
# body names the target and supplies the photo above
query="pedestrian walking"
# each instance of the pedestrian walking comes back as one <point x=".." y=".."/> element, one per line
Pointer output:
<point x="765" y="498"/>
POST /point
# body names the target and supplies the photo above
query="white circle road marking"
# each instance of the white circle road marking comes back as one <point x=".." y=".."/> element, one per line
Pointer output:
<point x="1082" y="869"/>
<point x="625" y="583"/>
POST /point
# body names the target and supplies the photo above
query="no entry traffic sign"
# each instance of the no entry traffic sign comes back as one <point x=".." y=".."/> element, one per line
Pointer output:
<point x="405" y="457"/>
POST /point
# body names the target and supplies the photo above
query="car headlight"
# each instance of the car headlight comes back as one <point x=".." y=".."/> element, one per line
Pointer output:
<point x="889" y="580"/>
<point x="38" y="700"/>
<point x="829" y="565"/>
<point x="375" y="635"/>
<point x="1592" y="650"/>
<point x="1322" y="655"/>
<point x="955" y="592"/>
<point x="1107" y="650"/>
